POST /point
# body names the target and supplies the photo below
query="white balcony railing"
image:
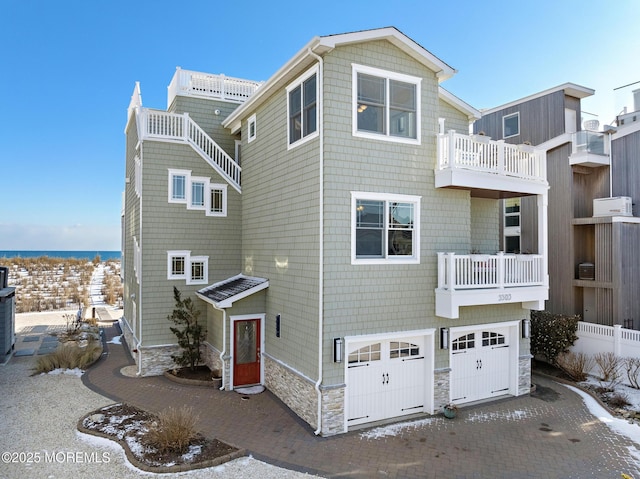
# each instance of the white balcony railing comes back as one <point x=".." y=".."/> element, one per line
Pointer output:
<point x="205" y="85"/>
<point x="457" y="151"/>
<point x="180" y="128"/>
<point x="478" y="271"/>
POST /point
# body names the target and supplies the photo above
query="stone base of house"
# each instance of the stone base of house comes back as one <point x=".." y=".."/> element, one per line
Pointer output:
<point x="441" y="381"/>
<point x="211" y="357"/>
<point x="524" y="374"/>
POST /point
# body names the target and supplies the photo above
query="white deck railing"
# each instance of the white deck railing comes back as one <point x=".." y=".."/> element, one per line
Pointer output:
<point x="489" y="156"/>
<point x="478" y="271"/>
<point x="205" y="85"/>
<point x="180" y="128"/>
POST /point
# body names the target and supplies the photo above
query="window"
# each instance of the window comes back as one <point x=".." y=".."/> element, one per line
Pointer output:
<point x="385" y="228"/>
<point x="193" y="269"/>
<point x="511" y="125"/>
<point x="176" y="264"/>
<point x="178" y="182"/>
<point x="251" y="126"/>
<point x="217" y="200"/>
<point x="365" y="354"/>
<point x="386" y="105"/>
<point x="302" y="108"/>
<point x="464" y="342"/>
<point x="492" y="339"/>
<point x="400" y="349"/>
<point x="198" y="188"/>
<point x="512" y="225"/>
<point x="198" y="266"/>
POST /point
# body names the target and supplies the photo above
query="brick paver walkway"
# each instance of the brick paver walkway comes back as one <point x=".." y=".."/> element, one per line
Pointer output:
<point x="549" y="434"/>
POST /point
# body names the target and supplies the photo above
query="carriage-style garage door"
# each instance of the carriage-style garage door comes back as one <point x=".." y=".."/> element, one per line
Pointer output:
<point x="480" y="364"/>
<point x="385" y="379"/>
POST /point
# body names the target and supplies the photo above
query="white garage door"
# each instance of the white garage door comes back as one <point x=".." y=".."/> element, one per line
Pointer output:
<point x="385" y="379"/>
<point x="480" y="365"/>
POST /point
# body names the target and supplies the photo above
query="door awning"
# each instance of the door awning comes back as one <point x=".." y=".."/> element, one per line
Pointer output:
<point x="226" y="292"/>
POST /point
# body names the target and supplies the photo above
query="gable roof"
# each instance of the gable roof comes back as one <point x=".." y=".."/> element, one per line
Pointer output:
<point x="321" y="45"/>
<point x="459" y="104"/>
<point x="224" y="293"/>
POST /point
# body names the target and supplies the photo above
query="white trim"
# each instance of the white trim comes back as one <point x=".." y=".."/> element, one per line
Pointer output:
<point x="205" y="269"/>
<point x="386" y="75"/>
<point x="207" y="202"/>
<point x="252" y="121"/>
<point x="244" y="317"/>
<point x="504" y="118"/>
<point x="187" y="175"/>
<point x="387" y="197"/>
<point x="298" y="82"/>
<point x="205" y="189"/>
<point x="570" y="89"/>
<point x="177" y="254"/>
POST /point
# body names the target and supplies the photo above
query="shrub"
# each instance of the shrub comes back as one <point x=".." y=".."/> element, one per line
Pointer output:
<point x="69" y="356"/>
<point x="576" y="365"/>
<point x="609" y="364"/>
<point x="174" y="430"/>
<point x="552" y="334"/>
<point x="191" y="336"/>
<point x="618" y="400"/>
<point x="632" y="368"/>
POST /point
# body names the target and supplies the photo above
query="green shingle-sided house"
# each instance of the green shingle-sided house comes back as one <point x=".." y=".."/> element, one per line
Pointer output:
<point x="339" y="230"/>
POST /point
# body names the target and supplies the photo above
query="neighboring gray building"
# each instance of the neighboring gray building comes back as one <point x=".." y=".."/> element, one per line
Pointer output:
<point x="341" y="239"/>
<point x="594" y="179"/>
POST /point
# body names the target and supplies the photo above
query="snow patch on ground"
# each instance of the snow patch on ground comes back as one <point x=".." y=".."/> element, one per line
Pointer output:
<point x="396" y="429"/>
<point x="70" y="372"/>
<point x="620" y="426"/>
<point x="115" y="340"/>
<point x="501" y="415"/>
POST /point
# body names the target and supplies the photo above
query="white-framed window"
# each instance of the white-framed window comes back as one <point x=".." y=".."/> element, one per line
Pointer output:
<point x="137" y="180"/>
<point x="182" y="266"/>
<point x="137" y="258"/>
<point x="251" y="129"/>
<point x="178" y="185"/>
<point x="386" y="105"/>
<point x="385" y="228"/>
<point x="217" y="200"/>
<point x="177" y="262"/>
<point x="511" y="125"/>
<point x="198" y="270"/>
<point x="302" y="108"/>
<point x="197" y="193"/>
<point x="512" y="225"/>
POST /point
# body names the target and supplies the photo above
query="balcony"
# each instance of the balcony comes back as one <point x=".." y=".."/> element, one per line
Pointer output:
<point x="473" y="280"/>
<point x="589" y="148"/>
<point x="490" y="169"/>
<point x="205" y="85"/>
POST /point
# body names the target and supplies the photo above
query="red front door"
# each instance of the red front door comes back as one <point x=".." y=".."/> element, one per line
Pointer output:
<point x="246" y="352"/>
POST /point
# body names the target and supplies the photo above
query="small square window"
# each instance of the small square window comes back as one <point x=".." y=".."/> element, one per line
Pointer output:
<point x="217" y="200"/>
<point x="177" y="264"/>
<point x="178" y="185"/>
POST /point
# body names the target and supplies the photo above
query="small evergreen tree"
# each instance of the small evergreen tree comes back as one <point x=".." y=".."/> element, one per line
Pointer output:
<point x="191" y="335"/>
<point x="552" y="334"/>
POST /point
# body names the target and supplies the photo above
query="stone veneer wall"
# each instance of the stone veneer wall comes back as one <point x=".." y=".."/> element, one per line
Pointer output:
<point x="157" y="359"/>
<point x="441" y="381"/>
<point x="295" y="390"/>
<point x="212" y="359"/>
<point x="332" y="410"/>
<point x="524" y="374"/>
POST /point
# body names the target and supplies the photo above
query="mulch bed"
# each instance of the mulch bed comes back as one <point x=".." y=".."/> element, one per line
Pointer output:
<point x="128" y="425"/>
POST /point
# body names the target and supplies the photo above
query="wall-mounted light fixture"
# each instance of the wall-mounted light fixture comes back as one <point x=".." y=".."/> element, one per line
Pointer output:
<point x="337" y="350"/>
<point x="277" y="325"/>
<point x="444" y="338"/>
<point x="526" y="328"/>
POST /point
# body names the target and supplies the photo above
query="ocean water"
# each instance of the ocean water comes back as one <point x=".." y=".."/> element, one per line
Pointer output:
<point x="88" y="255"/>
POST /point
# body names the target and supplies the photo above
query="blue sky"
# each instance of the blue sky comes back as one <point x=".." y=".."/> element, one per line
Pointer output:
<point x="69" y="68"/>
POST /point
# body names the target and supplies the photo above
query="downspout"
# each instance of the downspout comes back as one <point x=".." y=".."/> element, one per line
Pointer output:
<point x="321" y="240"/>
<point x="224" y="341"/>
<point x="139" y="278"/>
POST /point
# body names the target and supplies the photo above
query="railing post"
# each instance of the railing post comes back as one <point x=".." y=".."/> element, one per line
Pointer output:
<point x="451" y="271"/>
<point x="500" y="144"/>
<point x="441" y="270"/>
<point x="617" y="340"/>
<point x="451" y="154"/>
<point x="185" y="126"/>
<point x="500" y="269"/>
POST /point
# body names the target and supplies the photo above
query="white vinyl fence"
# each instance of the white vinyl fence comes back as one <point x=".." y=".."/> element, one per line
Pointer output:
<point x="596" y="338"/>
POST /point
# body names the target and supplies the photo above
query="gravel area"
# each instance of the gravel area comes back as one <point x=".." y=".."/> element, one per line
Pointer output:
<point x="39" y="438"/>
